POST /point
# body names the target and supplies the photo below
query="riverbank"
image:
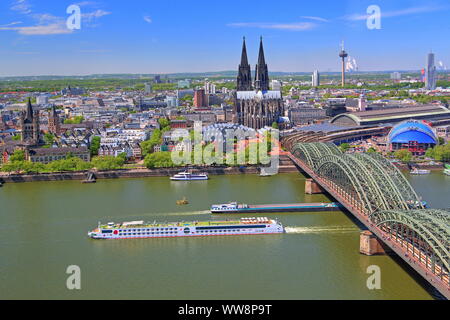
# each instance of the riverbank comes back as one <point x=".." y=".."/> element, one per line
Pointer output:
<point x="133" y="173"/>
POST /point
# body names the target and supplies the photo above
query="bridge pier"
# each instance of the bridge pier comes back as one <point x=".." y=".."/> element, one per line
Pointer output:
<point x="312" y="187"/>
<point x="370" y="245"/>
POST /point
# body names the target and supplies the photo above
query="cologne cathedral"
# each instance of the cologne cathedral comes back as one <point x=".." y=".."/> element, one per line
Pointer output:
<point x="255" y="105"/>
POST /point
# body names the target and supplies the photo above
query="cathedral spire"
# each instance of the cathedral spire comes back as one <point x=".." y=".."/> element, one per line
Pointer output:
<point x="244" y="80"/>
<point x="29" y="112"/>
<point x="262" y="72"/>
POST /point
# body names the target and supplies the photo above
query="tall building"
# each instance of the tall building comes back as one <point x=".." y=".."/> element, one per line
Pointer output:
<point x="396" y="76"/>
<point x="148" y="88"/>
<point x="256" y="106"/>
<point x="430" y="80"/>
<point x="276" y="85"/>
<point x="210" y="88"/>
<point x="315" y="78"/>
<point x="200" y="100"/>
<point x="29" y="123"/>
<point x="54" y="126"/>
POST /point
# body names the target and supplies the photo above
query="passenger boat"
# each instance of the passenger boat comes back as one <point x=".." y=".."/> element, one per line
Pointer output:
<point x="140" y="229"/>
<point x="188" y="176"/>
<point x="420" y="171"/>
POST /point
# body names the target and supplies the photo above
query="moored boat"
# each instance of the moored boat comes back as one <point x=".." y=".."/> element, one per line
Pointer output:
<point x="188" y="176"/>
<point x="140" y="229"/>
<point x="417" y="171"/>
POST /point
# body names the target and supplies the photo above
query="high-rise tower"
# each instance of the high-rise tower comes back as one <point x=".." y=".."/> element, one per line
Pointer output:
<point x="430" y="81"/>
<point x="343" y="55"/>
<point x="244" y="80"/>
<point x="262" y="72"/>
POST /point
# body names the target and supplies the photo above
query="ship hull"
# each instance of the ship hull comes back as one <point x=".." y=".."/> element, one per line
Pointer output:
<point x="279" y="208"/>
<point x="185" y="232"/>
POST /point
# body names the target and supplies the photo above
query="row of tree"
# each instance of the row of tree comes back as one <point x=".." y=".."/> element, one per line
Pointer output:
<point x="17" y="163"/>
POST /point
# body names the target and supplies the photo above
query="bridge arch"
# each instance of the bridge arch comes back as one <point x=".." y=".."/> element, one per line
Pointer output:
<point x="431" y="230"/>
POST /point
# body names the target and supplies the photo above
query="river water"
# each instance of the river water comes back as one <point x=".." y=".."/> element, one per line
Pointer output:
<point x="43" y="229"/>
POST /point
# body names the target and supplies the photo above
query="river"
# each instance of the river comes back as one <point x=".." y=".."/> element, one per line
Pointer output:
<point x="43" y="227"/>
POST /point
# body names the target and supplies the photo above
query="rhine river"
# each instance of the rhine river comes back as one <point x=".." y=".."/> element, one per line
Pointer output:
<point x="44" y="225"/>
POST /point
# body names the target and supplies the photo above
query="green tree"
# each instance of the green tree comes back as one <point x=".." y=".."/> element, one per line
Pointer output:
<point x="275" y="125"/>
<point x="344" y="147"/>
<point x="159" y="160"/>
<point x="95" y="145"/>
<point x="403" y="155"/>
<point x="18" y="155"/>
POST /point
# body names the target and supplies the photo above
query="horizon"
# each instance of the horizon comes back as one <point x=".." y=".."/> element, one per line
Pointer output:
<point x="38" y="43"/>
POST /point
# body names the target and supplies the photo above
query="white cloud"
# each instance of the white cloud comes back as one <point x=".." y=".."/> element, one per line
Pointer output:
<point x="50" y="29"/>
<point x="148" y="19"/>
<point x="95" y="14"/>
<point x="315" y="18"/>
<point x="296" y="26"/>
<point x="397" y="13"/>
<point x="11" y="24"/>
<point x="21" y="6"/>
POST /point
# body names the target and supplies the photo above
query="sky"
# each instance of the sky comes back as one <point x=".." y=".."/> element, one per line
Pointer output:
<point x="172" y="36"/>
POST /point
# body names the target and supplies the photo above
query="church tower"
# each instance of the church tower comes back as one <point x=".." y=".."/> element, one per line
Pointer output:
<point x="244" y="80"/>
<point x="262" y="72"/>
<point x="53" y="122"/>
<point x="29" y="123"/>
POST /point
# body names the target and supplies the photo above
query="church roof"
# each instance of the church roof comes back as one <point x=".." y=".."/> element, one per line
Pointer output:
<point x="262" y="95"/>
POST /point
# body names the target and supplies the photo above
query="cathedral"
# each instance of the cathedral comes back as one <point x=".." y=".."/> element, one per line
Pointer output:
<point x="255" y="105"/>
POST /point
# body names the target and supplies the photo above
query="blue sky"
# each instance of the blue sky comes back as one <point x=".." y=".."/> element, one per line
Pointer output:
<point x="167" y="36"/>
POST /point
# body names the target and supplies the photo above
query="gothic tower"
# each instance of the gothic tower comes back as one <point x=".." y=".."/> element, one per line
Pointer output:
<point x="29" y="123"/>
<point x="244" y="80"/>
<point x="262" y="72"/>
<point x="53" y="122"/>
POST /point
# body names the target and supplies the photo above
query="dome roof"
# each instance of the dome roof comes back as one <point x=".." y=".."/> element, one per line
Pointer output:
<point x="412" y="131"/>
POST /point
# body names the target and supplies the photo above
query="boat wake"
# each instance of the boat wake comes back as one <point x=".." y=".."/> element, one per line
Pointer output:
<point x="330" y="229"/>
<point x="190" y="213"/>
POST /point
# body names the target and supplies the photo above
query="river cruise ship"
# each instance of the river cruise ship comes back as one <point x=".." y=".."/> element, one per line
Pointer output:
<point x="140" y="229"/>
<point x="188" y="176"/>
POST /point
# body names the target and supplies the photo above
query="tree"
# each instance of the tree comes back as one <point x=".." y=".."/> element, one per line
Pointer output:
<point x="18" y="155"/>
<point x="403" y="155"/>
<point x="159" y="160"/>
<point x="371" y="150"/>
<point x="95" y="145"/>
<point x="275" y="125"/>
<point x="49" y="138"/>
<point x="156" y="139"/>
<point x="344" y="147"/>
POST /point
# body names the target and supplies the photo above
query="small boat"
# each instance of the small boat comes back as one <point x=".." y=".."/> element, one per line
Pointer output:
<point x="447" y="172"/>
<point x="188" y="176"/>
<point x="417" y="171"/>
<point x="182" y="202"/>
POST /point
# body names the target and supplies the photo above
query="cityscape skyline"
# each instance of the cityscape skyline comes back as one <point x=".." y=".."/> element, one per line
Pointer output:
<point x="37" y="42"/>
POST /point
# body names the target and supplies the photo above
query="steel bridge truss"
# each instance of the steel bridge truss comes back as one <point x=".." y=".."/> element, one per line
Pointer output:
<point x="424" y="233"/>
<point x="378" y="190"/>
<point x="371" y="179"/>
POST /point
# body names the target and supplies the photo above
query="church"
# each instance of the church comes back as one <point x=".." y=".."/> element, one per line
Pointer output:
<point x="255" y="105"/>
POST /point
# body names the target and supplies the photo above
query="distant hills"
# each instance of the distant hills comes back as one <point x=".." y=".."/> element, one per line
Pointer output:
<point x="192" y="75"/>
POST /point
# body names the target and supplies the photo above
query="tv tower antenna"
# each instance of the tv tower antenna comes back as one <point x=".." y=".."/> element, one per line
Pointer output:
<point x="343" y="55"/>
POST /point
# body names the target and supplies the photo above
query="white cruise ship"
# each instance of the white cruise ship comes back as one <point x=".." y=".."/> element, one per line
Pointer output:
<point x="139" y="229"/>
<point x="188" y="176"/>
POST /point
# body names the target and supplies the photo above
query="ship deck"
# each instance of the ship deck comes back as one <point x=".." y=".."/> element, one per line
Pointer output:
<point x="182" y="224"/>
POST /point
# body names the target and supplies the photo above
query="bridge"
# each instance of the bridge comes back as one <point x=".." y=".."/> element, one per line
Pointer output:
<point x="377" y="194"/>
